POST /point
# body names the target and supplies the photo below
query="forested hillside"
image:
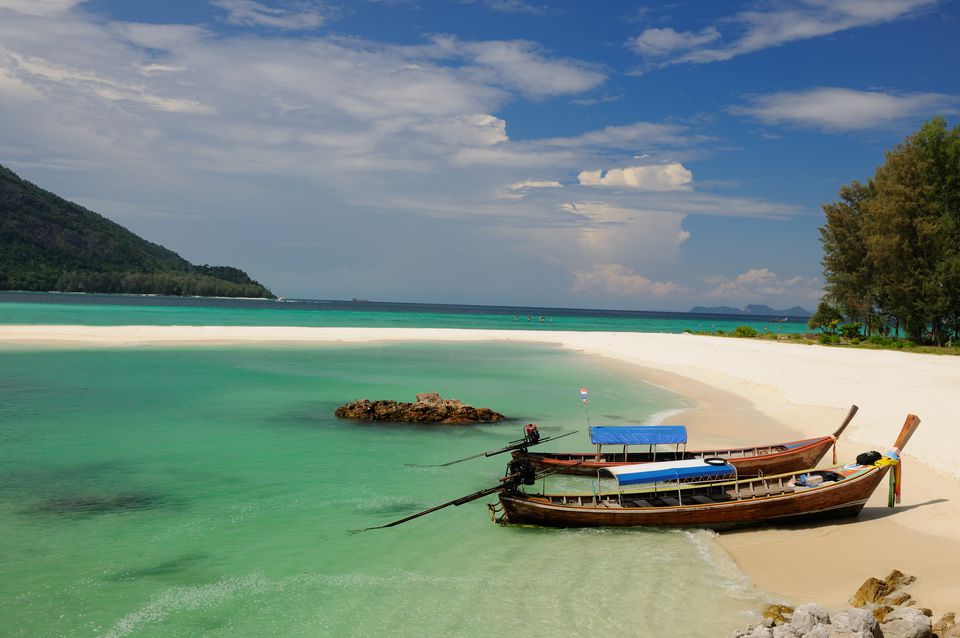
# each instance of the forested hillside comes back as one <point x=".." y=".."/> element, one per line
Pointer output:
<point x="48" y="243"/>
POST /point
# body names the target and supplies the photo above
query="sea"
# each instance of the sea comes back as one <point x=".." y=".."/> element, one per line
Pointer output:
<point x="211" y="491"/>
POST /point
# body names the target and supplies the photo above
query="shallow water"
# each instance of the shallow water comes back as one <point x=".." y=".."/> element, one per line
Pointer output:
<point x="210" y="491"/>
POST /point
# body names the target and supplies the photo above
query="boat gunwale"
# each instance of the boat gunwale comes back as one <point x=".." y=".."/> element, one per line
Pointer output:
<point x="543" y="500"/>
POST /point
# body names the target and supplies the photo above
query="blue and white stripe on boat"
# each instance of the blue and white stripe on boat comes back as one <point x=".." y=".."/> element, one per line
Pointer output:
<point x="669" y="471"/>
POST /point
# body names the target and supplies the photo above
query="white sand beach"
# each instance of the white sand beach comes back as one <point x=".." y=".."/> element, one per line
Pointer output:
<point x="747" y="391"/>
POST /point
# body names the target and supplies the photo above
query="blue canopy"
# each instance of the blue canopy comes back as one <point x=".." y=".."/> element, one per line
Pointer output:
<point x="669" y="471"/>
<point x="638" y="434"/>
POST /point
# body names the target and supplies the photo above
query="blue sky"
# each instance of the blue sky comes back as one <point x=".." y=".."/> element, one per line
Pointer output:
<point x="634" y="155"/>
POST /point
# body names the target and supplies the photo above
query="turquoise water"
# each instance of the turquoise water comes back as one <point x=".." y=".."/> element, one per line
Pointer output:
<point x="209" y="491"/>
<point x="96" y="310"/>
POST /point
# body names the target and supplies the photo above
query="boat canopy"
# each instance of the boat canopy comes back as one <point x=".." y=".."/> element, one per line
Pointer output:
<point x="669" y="471"/>
<point x="638" y="434"/>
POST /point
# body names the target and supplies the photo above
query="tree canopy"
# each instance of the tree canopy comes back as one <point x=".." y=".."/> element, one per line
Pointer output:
<point x="892" y="246"/>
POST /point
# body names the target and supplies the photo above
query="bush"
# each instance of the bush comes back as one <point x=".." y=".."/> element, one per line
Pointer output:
<point x="851" y="330"/>
<point x="829" y="339"/>
<point x="743" y="331"/>
<point x="855" y="341"/>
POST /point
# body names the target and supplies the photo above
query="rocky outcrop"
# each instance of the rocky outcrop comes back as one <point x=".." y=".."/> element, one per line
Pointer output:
<point x="429" y="407"/>
<point x="879" y="609"/>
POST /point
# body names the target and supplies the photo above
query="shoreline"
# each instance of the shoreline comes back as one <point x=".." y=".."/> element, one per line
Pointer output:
<point x="785" y="390"/>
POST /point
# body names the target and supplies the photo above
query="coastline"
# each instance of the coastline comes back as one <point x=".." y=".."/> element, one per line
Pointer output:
<point x="740" y="387"/>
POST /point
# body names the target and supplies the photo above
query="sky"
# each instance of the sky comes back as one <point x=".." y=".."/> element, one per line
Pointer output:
<point x="624" y="155"/>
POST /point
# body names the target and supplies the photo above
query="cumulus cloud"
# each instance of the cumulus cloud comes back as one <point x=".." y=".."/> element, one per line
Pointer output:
<point x="761" y="29"/>
<point x="619" y="280"/>
<point x="664" y="177"/>
<point x="250" y="13"/>
<point x="840" y="109"/>
<point x="761" y="283"/>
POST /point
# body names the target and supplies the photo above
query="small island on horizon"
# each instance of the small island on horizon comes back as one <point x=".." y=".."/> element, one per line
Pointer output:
<point x="753" y="309"/>
<point x="54" y="245"/>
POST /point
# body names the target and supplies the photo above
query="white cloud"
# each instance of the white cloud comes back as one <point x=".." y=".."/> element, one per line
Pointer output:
<point x="788" y="22"/>
<point x="250" y="13"/>
<point x="534" y="183"/>
<point x="760" y="284"/>
<point x="511" y="6"/>
<point x="619" y="280"/>
<point x="663" y="177"/>
<point x="166" y="37"/>
<point x="647" y="134"/>
<point x="469" y="130"/>
<point x="326" y="137"/>
<point x="840" y="109"/>
<point x="660" y="42"/>
<point x="39" y="7"/>
<point x="520" y="66"/>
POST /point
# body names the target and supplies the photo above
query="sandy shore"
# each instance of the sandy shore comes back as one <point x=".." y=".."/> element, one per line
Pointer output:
<point x="747" y="391"/>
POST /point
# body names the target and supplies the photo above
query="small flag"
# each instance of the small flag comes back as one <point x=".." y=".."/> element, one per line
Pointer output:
<point x="584" y="395"/>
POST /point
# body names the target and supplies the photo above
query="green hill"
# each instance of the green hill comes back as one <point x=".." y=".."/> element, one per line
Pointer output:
<point x="48" y="243"/>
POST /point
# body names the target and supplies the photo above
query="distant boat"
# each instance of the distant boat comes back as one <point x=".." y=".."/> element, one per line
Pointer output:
<point x="779" y="320"/>
<point x="749" y="461"/>
<point x="699" y="493"/>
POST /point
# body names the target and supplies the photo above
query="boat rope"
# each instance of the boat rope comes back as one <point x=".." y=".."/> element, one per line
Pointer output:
<point x="896" y="475"/>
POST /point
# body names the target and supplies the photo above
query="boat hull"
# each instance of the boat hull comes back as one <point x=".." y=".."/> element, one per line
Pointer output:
<point x="841" y="499"/>
<point x="788" y="457"/>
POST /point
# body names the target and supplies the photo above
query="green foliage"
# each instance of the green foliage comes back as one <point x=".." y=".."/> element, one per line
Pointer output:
<point x="851" y="330"/>
<point x="743" y="331"/>
<point x="828" y="339"/>
<point x="826" y="319"/>
<point x="892" y="246"/>
<point x="48" y="243"/>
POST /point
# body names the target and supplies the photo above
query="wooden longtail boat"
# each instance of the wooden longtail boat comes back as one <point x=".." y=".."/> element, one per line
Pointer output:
<point x="750" y="461"/>
<point x="715" y="504"/>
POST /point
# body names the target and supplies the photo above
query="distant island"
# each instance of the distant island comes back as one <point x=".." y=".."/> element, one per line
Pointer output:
<point x="752" y="309"/>
<point x="50" y="244"/>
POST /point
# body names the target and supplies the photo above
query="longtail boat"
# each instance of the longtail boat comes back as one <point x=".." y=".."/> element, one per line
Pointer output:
<point x="749" y="461"/>
<point x="698" y="493"/>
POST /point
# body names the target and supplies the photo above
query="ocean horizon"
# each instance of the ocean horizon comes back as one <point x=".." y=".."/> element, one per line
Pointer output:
<point x="99" y="309"/>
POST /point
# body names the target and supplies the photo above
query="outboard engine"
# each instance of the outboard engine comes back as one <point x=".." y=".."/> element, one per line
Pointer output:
<point x="520" y="471"/>
<point x="531" y="434"/>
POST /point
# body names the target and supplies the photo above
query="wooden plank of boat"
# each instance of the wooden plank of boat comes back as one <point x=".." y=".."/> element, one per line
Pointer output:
<point x="768" y="459"/>
<point x="782" y="499"/>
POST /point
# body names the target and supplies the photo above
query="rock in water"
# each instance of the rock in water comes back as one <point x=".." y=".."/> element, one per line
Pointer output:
<point x="429" y="407"/>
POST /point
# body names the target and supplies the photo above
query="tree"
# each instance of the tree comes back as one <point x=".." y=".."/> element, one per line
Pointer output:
<point x="847" y="268"/>
<point x="892" y="246"/>
<point x="826" y="318"/>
